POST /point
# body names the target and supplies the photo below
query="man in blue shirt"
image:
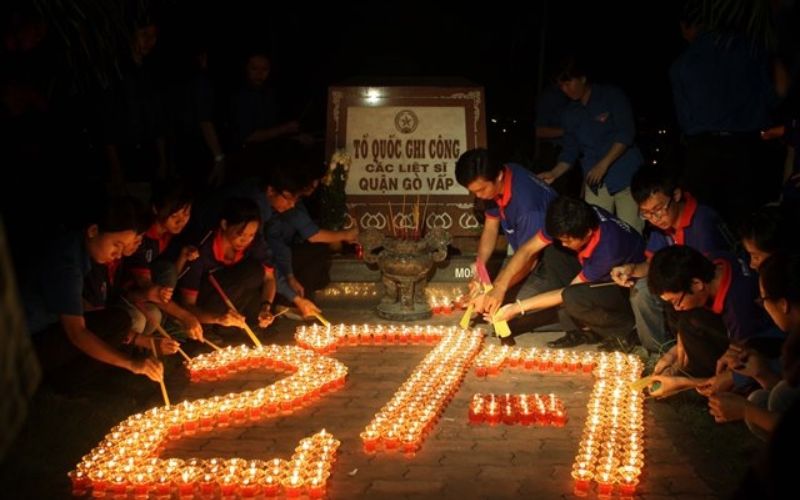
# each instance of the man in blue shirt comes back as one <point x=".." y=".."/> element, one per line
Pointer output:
<point x="722" y="90"/>
<point x="601" y="242"/>
<point x="518" y="204"/>
<point x="599" y="130"/>
<point x="675" y="218"/>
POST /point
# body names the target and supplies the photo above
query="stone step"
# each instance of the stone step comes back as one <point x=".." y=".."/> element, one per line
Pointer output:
<point x="456" y="269"/>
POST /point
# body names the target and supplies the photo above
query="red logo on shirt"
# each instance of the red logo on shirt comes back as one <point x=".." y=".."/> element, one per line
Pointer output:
<point x="602" y="117"/>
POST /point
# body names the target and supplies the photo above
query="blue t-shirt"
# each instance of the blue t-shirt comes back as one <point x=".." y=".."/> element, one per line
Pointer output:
<point x="151" y="247"/>
<point x="281" y="232"/>
<point x="721" y="85"/>
<point x="522" y="208"/>
<point x="591" y="130"/>
<point x="699" y="227"/>
<point x="613" y="243"/>
<point x="55" y="287"/>
<point x="735" y="299"/>
<point x="212" y="258"/>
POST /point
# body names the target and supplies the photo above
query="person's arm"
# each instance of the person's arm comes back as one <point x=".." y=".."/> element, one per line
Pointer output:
<point x="488" y="241"/>
<point x="600" y="169"/>
<point x="328" y="236"/>
<point x="268" y="289"/>
<point x="190" y="322"/>
<point x="761" y="417"/>
<point x="93" y="346"/>
<point x="623" y="275"/>
<point x="544" y="132"/>
<point x="513" y="272"/>
<point x="211" y="138"/>
<point x="229" y="318"/>
<point x="265" y="134"/>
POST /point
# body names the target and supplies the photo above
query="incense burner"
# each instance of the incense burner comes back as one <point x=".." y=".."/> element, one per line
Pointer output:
<point x="405" y="265"/>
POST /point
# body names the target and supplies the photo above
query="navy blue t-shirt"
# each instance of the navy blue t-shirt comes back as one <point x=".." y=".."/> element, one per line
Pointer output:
<point x="613" y="243"/>
<point x="212" y="257"/>
<point x="699" y="227"/>
<point x="736" y="298"/>
<point x="522" y="208"/>
<point x="282" y="230"/>
<point x="55" y="287"/>
<point x="590" y="130"/>
<point x="151" y="247"/>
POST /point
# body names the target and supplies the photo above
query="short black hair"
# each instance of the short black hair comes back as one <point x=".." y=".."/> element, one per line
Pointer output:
<point x="780" y="277"/>
<point x="169" y="196"/>
<point x="571" y="217"/>
<point x="651" y="180"/>
<point x="240" y="210"/>
<point x="674" y="267"/>
<point x="477" y="163"/>
<point x="769" y="228"/>
<point x="570" y="67"/>
<point x="287" y="166"/>
<point x="119" y="213"/>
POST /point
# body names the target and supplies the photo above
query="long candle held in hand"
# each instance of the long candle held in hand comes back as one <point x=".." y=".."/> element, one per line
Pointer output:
<point x="230" y="305"/>
<point x="158" y="327"/>
<point x="161" y="381"/>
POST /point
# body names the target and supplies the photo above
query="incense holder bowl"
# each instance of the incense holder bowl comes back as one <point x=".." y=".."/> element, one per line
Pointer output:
<point x="405" y="265"/>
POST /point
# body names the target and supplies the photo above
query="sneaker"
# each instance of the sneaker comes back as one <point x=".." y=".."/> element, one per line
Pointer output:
<point x="571" y="339"/>
<point x="509" y="341"/>
<point x="613" y="344"/>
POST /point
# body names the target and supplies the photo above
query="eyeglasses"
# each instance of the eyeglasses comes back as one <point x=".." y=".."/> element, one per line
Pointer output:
<point x="760" y="301"/>
<point x="677" y="304"/>
<point x="657" y="213"/>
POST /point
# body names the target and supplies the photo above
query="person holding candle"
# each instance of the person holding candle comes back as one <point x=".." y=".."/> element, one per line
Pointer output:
<point x="715" y="300"/>
<point x="517" y="205"/>
<point x="240" y="262"/>
<point x="61" y="325"/>
<point x="779" y="290"/>
<point x="602" y="242"/>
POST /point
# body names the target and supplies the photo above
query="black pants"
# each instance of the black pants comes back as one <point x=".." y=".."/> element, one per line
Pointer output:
<point x="55" y="351"/>
<point x="557" y="267"/>
<point x="704" y="338"/>
<point x="605" y="310"/>
<point x="242" y="284"/>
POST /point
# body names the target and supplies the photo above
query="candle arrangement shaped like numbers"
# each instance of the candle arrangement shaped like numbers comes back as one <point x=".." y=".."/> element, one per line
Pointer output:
<point x="403" y="423"/>
<point x="126" y="463"/>
<point x="611" y="449"/>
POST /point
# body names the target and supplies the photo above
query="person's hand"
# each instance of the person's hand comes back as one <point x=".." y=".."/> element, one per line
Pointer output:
<point x="479" y="303"/>
<point x="505" y="313"/>
<point x="193" y="327"/>
<point x="773" y="133"/>
<point x="296" y="286"/>
<point x="721" y="382"/>
<point x="751" y="364"/>
<point x="265" y="317"/>
<point x="665" y="362"/>
<point x="662" y="386"/>
<point x="623" y="275"/>
<point x="731" y="358"/>
<point x="548" y="176"/>
<point x="217" y="174"/>
<point x="149" y="367"/>
<point x="232" y="318"/>
<point x="166" y="346"/>
<point x="306" y="307"/>
<point x="159" y="294"/>
<point x="351" y="235"/>
<point x="492" y="301"/>
<point x="189" y="253"/>
<point x="794" y="180"/>
<point x="726" y="407"/>
<point x="594" y="177"/>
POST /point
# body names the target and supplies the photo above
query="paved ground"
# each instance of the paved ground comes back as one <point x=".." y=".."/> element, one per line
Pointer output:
<point x="456" y="461"/>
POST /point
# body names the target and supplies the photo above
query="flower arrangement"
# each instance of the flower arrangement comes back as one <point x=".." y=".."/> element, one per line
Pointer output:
<point x="332" y="192"/>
